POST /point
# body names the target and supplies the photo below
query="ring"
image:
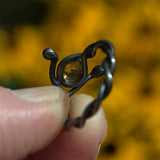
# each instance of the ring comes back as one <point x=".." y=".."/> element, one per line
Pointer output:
<point x="72" y="72"/>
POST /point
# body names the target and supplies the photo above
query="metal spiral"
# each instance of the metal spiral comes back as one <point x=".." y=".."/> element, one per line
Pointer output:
<point x="107" y="68"/>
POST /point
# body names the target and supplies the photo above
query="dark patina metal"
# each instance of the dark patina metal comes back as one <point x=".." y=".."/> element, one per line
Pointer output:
<point x="81" y="69"/>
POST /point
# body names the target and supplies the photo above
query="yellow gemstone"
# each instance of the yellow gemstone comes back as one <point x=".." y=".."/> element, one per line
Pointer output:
<point x="72" y="71"/>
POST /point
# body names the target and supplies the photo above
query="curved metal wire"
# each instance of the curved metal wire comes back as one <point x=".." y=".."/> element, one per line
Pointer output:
<point x="107" y="68"/>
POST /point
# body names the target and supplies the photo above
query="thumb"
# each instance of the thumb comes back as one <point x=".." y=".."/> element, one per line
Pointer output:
<point x="30" y="119"/>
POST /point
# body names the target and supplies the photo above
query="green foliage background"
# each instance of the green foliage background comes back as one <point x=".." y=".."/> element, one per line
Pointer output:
<point x="133" y="107"/>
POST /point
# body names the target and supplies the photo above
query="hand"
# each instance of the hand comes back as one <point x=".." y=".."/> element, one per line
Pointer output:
<point x="32" y="120"/>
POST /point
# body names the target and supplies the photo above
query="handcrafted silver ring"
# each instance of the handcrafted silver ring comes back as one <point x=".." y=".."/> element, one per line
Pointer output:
<point x="72" y="72"/>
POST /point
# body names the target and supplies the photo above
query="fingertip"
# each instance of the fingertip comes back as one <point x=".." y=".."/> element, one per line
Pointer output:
<point x="33" y="117"/>
<point x="83" y="143"/>
<point x="95" y="128"/>
<point x="97" y="123"/>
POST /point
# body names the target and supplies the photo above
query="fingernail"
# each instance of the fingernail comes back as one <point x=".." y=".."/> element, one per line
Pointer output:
<point x="40" y="94"/>
<point x="103" y="123"/>
<point x="98" y="149"/>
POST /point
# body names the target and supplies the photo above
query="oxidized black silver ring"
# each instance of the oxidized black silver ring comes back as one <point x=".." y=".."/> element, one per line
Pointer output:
<point x="72" y="72"/>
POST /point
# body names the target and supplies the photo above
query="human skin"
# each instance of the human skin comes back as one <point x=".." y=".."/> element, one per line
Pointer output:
<point x="32" y="121"/>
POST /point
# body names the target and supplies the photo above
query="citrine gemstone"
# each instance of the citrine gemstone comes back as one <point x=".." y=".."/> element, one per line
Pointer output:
<point x="72" y="71"/>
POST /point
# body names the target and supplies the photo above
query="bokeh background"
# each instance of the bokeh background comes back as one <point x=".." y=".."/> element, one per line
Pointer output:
<point x="68" y="26"/>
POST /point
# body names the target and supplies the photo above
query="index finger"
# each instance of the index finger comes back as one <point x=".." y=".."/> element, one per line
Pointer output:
<point x="76" y="143"/>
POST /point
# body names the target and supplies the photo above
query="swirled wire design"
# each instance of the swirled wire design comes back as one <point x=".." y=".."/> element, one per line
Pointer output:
<point x="107" y="68"/>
